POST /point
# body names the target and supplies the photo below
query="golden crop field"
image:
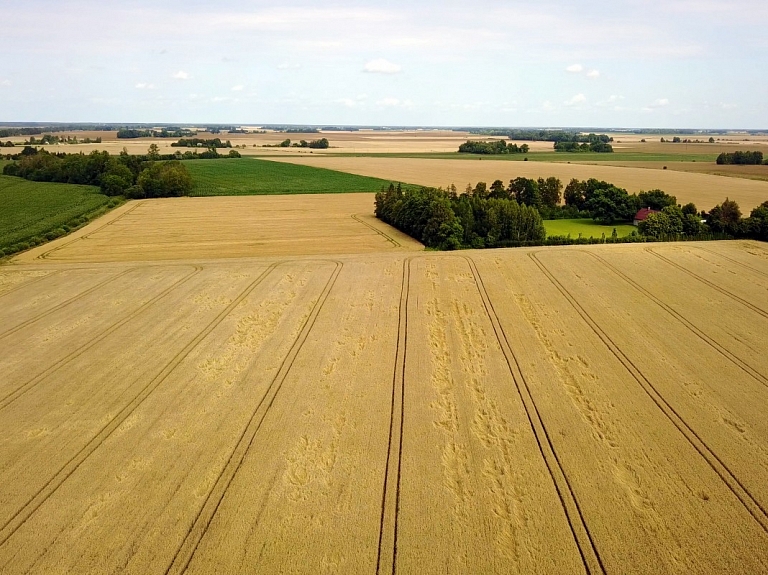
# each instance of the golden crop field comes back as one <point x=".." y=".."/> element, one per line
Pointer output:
<point x="287" y="385"/>
<point x="705" y="190"/>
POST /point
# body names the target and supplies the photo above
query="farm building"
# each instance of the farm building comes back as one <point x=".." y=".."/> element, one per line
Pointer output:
<point x="642" y="214"/>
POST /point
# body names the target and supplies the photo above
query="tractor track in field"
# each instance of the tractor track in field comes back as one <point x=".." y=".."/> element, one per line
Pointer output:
<point x="64" y="304"/>
<point x="734" y="359"/>
<point x="737" y="262"/>
<point x="49" y="488"/>
<point x="393" y="241"/>
<point x="30" y="282"/>
<point x="199" y="527"/>
<point x="31" y="383"/>
<point x="583" y="539"/>
<point x="755" y="509"/>
<point x="710" y="284"/>
<point x="46" y="255"/>
<point x="386" y="558"/>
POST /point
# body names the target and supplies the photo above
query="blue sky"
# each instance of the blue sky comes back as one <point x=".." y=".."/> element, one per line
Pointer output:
<point x="624" y="63"/>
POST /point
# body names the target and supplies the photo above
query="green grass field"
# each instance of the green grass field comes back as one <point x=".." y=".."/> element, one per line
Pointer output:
<point x="248" y="176"/>
<point x="585" y="228"/>
<point x="34" y="212"/>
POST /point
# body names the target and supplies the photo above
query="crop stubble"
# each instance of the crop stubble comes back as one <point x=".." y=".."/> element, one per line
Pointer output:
<point x="596" y="410"/>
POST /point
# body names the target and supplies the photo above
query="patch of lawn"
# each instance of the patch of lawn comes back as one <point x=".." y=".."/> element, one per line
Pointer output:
<point x="586" y="228"/>
<point x="249" y="176"/>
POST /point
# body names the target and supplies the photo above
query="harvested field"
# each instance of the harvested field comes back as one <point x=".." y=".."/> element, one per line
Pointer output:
<point x="196" y="385"/>
<point x="704" y="190"/>
<point x="231" y="227"/>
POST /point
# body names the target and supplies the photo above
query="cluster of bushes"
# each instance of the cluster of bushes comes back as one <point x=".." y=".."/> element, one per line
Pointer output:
<point x="544" y="135"/>
<point x="445" y="220"/>
<point x="201" y="143"/>
<point x="740" y="158"/>
<point x="495" y="147"/>
<point x="8" y="144"/>
<point x="123" y="175"/>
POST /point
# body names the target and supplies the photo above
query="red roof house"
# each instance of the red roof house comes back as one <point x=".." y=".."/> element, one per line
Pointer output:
<point x="642" y="214"/>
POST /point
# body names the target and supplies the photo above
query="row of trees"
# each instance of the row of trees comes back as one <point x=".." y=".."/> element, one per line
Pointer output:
<point x="494" y="147"/>
<point x="599" y="147"/>
<point x="445" y="220"/>
<point x="201" y="143"/>
<point x="169" y="132"/>
<point x="52" y="139"/>
<point x="123" y="175"/>
<point x="741" y="158"/>
<point x="321" y="144"/>
<point x="724" y="218"/>
<point x="545" y="135"/>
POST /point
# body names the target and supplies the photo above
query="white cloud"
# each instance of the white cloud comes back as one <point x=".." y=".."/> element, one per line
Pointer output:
<point x="238" y="88"/>
<point x="659" y="103"/>
<point x="394" y="103"/>
<point x="181" y="75"/>
<point x="144" y="86"/>
<point x="725" y="106"/>
<point x="575" y="68"/>
<point x="287" y="66"/>
<point x="577" y="100"/>
<point x="593" y="74"/>
<point x="348" y="102"/>
<point x="5" y="82"/>
<point x="381" y="66"/>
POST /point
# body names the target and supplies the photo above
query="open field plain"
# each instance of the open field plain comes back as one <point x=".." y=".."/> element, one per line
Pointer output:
<point x="287" y="385"/>
<point x="704" y="190"/>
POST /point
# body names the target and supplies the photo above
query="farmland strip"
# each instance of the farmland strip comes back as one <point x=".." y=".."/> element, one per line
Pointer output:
<point x="197" y="530"/>
<point x="385" y="236"/>
<point x="716" y="287"/>
<point x="31" y="383"/>
<point x="738" y="362"/>
<point x="582" y="537"/>
<point x="64" y="304"/>
<point x="18" y="518"/>
<point x="386" y="561"/>
<point x="728" y="477"/>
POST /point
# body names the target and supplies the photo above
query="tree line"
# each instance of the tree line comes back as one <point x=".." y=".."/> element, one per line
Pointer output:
<point x="132" y="176"/>
<point x="321" y="144"/>
<point x="201" y="142"/>
<point x="172" y="132"/>
<point x="494" y="147"/>
<point x="740" y="158"/>
<point x="445" y="220"/>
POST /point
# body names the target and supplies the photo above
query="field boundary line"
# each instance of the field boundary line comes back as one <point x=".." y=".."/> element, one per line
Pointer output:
<point x="199" y="527"/>
<point x="738" y="263"/>
<point x="394" y="242"/>
<point x="64" y="304"/>
<point x="737" y="361"/>
<point x="9" y="398"/>
<point x="46" y="254"/>
<point x="26" y="511"/>
<point x="29" y="282"/>
<point x="386" y="556"/>
<point x="753" y="507"/>
<point x="582" y="537"/>
<point x="706" y="282"/>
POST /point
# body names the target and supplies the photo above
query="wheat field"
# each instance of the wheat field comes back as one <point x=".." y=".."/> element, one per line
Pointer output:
<point x="287" y="385"/>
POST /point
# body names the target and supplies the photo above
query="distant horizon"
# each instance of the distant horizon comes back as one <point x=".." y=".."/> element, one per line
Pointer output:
<point x="321" y="125"/>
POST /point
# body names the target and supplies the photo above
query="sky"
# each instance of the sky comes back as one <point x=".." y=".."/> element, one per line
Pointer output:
<point x="548" y="63"/>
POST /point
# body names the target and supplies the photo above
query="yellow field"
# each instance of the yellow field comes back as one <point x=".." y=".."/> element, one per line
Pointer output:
<point x="269" y="385"/>
<point x="704" y="190"/>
